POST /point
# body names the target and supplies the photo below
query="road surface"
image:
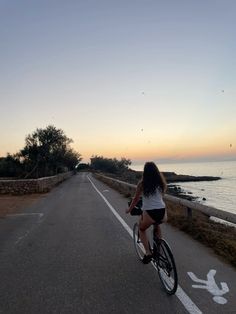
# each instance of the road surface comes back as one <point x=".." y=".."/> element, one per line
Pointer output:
<point x="72" y="252"/>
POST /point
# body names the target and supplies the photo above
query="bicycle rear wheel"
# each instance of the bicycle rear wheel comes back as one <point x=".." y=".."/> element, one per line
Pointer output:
<point x="137" y="242"/>
<point x="166" y="267"/>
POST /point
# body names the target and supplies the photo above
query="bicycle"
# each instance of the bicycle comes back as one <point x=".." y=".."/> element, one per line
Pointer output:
<point x="162" y="258"/>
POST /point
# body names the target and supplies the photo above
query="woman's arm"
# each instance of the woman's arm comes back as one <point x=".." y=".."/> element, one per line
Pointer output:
<point x="136" y="198"/>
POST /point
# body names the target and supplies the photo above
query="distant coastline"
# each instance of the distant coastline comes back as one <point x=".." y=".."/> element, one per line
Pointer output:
<point x="173" y="177"/>
<point x="133" y="176"/>
<point x="173" y="189"/>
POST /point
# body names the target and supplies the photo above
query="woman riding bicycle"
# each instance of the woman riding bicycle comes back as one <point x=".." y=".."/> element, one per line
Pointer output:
<point x="151" y="188"/>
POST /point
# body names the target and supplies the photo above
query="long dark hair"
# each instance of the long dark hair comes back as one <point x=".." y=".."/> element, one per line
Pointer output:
<point x="152" y="179"/>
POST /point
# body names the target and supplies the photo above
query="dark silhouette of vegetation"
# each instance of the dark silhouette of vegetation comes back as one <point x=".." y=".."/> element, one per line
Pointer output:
<point x="10" y="166"/>
<point x="83" y="166"/>
<point x="47" y="152"/>
<point x="109" y="165"/>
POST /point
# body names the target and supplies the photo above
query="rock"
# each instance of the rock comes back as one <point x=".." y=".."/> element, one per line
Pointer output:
<point x="173" y="177"/>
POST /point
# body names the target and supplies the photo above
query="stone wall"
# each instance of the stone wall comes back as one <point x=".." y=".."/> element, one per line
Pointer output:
<point x="29" y="186"/>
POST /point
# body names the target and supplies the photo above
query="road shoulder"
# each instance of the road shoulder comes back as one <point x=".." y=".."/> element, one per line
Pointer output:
<point x="12" y="204"/>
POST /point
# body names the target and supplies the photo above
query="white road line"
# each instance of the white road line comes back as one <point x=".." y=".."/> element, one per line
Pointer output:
<point x="25" y="214"/>
<point x="40" y="215"/>
<point x="121" y="220"/>
<point x="22" y="237"/>
<point x="181" y="295"/>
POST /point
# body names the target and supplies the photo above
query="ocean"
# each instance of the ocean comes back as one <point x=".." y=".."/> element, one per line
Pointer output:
<point x="220" y="194"/>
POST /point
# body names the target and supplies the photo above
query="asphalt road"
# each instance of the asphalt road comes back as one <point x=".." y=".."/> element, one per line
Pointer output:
<point x="71" y="252"/>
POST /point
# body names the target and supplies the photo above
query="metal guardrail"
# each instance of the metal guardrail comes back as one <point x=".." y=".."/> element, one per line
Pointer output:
<point x="190" y="205"/>
<point x="207" y="210"/>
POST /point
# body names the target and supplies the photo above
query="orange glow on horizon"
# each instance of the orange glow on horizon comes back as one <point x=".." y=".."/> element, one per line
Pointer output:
<point x="145" y="153"/>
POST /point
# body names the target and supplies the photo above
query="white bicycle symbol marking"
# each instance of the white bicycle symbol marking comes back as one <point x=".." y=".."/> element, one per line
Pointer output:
<point x="211" y="286"/>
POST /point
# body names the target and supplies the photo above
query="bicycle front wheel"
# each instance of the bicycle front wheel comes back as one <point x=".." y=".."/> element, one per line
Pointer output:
<point x="139" y="249"/>
<point x="166" y="268"/>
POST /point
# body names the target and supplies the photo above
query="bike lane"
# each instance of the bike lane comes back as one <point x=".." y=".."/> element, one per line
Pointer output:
<point x="206" y="283"/>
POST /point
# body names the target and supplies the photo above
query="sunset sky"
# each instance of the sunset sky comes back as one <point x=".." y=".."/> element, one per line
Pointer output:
<point x="140" y="79"/>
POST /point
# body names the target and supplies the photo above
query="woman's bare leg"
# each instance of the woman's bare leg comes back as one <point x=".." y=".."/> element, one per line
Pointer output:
<point x="157" y="230"/>
<point x="145" y="222"/>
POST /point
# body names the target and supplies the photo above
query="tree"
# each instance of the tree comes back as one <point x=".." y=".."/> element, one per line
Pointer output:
<point x="111" y="165"/>
<point x="83" y="166"/>
<point x="10" y="166"/>
<point x="48" y="152"/>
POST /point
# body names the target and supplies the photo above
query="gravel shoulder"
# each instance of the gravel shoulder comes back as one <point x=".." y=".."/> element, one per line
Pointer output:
<point x="12" y="204"/>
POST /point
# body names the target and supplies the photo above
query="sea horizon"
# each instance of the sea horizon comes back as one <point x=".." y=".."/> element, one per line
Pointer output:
<point x="138" y="166"/>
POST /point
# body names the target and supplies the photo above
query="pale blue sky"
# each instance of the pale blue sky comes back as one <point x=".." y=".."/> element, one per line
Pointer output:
<point x="139" y="79"/>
